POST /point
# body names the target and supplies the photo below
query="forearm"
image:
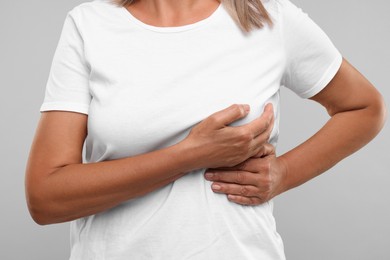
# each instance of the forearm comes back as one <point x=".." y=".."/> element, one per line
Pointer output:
<point x="78" y="190"/>
<point x="342" y="135"/>
<point x="357" y="113"/>
<point x="60" y="188"/>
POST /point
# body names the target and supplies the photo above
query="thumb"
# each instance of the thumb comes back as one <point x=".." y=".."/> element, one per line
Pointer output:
<point x="265" y="150"/>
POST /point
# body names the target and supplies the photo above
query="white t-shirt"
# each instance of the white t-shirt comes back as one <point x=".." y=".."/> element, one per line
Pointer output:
<point x="144" y="87"/>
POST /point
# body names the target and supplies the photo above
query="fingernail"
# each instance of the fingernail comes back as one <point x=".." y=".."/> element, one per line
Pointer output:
<point x="269" y="107"/>
<point x="231" y="197"/>
<point x="209" y="175"/>
<point x="215" y="187"/>
<point x="246" y="108"/>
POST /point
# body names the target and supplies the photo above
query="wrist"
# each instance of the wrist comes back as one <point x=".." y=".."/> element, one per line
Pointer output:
<point x="285" y="174"/>
<point x="189" y="155"/>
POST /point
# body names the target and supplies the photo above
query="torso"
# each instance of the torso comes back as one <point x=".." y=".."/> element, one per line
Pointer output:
<point x="149" y="86"/>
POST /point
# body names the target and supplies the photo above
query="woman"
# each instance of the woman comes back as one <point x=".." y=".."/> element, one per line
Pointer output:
<point x="162" y="90"/>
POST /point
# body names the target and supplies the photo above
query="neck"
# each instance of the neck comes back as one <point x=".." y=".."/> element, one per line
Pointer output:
<point x="169" y="12"/>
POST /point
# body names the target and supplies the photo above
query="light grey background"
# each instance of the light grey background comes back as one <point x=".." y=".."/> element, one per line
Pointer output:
<point x="343" y="214"/>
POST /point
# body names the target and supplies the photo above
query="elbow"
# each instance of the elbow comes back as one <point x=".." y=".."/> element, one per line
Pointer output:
<point x="46" y="208"/>
<point x="46" y="215"/>
<point x="42" y="209"/>
<point x="378" y="111"/>
<point x="39" y="212"/>
<point x="35" y="199"/>
<point x="45" y="205"/>
<point x="38" y="217"/>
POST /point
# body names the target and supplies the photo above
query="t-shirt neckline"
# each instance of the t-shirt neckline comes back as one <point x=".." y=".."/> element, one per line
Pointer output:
<point x="168" y="29"/>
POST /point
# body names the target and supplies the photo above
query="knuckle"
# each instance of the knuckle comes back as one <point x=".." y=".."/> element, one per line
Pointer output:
<point x="237" y="109"/>
<point x="240" y="178"/>
<point x="213" y="119"/>
<point x="245" y="135"/>
<point x="267" y="181"/>
<point x="244" y="191"/>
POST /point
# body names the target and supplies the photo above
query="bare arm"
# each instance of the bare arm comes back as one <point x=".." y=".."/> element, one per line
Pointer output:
<point x="59" y="187"/>
<point x="357" y="113"/>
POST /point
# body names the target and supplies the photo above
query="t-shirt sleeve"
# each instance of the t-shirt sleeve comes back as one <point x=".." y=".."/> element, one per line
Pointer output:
<point x="312" y="60"/>
<point x="67" y="87"/>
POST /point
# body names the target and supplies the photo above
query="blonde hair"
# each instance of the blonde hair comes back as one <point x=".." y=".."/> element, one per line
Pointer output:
<point x="248" y="14"/>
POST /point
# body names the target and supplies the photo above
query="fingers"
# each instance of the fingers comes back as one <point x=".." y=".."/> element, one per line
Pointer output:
<point x="264" y="123"/>
<point x="249" y="201"/>
<point x="239" y="177"/>
<point x="250" y="184"/>
<point x="265" y="150"/>
<point x="230" y="114"/>
<point x="242" y="194"/>
<point x="256" y="163"/>
<point x="236" y="189"/>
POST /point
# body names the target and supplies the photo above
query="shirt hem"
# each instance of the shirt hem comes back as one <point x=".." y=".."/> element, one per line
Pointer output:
<point x="71" y="107"/>
<point x="326" y="78"/>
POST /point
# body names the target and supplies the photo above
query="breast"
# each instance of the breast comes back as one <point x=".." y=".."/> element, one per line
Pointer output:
<point x="149" y="94"/>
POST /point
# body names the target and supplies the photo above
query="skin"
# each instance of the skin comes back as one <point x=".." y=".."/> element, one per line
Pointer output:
<point x="172" y="12"/>
<point x="357" y="113"/>
<point x="60" y="188"/>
